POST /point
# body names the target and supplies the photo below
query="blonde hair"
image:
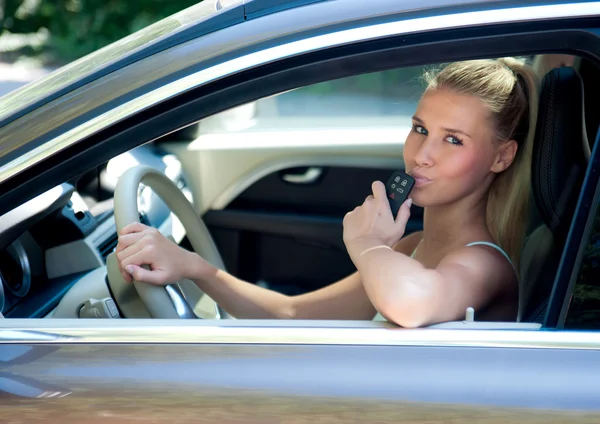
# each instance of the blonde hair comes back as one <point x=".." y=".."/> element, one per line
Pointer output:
<point x="509" y="89"/>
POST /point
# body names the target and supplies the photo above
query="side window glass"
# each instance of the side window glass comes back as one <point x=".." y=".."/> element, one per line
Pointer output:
<point x="378" y="99"/>
<point x="386" y="94"/>
<point x="584" y="308"/>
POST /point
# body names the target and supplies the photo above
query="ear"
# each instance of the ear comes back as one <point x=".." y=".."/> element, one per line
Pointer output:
<point x="504" y="156"/>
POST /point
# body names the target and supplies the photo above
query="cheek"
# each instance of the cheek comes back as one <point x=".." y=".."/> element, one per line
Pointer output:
<point x="468" y="166"/>
<point x="461" y="164"/>
<point x="411" y="145"/>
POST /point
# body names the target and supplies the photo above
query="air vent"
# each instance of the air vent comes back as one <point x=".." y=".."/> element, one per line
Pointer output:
<point x="144" y="219"/>
<point x="107" y="246"/>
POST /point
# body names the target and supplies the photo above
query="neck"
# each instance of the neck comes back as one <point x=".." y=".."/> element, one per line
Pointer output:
<point x="457" y="222"/>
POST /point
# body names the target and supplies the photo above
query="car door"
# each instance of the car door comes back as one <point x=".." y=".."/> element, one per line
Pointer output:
<point x="276" y="371"/>
<point x="274" y="178"/>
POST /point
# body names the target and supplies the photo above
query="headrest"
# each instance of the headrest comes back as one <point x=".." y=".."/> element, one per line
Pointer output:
<point x="560" y="149"/>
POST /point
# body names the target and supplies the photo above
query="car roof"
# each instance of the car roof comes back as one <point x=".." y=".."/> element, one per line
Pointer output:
<point x="204" y="18"/>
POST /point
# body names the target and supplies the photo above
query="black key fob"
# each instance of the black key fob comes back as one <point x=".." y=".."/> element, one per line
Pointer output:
<point x="398" y="188"/>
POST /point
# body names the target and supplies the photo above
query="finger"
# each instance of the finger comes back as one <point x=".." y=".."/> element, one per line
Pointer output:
<point x="129" y="251"/>
<point x="404" y="212"/>
<point x="348" y="216"/>
<point x="134" y="227"/>
<point x="124" y="273"/>
<point x="144" y="256"/>
<point x="126" y="276"/>
<point x="144" y="275"/>
<point x="127" y="240"/>
<point x="379" y="190"/>
<point x="369" y="197"/>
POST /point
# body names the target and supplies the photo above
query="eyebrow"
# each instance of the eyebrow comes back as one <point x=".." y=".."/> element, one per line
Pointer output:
<point x="451" y="130"/>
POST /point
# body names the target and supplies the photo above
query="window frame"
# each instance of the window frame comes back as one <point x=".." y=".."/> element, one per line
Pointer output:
<point x="191" y="106"/>
<point x="585" y="214"/>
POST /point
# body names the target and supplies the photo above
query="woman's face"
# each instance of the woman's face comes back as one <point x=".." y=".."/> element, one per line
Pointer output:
<point x="450" y="148"/>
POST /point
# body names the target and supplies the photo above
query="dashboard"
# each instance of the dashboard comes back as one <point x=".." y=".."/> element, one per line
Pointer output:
<point x="54" y="240"/>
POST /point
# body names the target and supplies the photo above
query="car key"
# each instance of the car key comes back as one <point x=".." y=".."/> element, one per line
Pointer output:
<point x="398" y="188"/>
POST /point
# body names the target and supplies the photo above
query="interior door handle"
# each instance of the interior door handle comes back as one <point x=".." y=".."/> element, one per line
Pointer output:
<point x="309" y="176"/>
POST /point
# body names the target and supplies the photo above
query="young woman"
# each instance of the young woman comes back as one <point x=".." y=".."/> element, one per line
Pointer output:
<point x="469" y="151"/>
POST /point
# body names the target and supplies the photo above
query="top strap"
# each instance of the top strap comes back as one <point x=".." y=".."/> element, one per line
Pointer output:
<point x="498" y="248"/>
<point x="415" y="251"/>
<point x="475" y="243"/>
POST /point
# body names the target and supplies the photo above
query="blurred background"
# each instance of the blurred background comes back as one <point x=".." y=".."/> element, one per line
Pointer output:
<point x="38" y="36"/>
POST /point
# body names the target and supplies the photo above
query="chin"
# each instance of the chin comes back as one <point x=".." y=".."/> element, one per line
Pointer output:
<point x="418" y="199"/>
<point x="423" y="199"/>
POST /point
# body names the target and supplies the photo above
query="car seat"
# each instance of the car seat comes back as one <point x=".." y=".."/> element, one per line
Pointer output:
<point x="560" y="155"/>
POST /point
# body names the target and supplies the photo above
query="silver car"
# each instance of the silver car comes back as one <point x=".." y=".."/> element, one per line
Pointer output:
<point x="254" y="126"/>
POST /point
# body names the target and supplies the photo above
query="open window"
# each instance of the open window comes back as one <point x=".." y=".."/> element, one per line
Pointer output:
<point x="272" y="162"/>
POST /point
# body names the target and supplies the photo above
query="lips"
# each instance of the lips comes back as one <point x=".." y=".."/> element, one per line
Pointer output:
<point x="419" y="178"/>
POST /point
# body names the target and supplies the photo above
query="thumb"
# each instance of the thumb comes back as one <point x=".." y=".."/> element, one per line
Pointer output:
<point x="142" y="274"/>
<point x="404" y="212"/>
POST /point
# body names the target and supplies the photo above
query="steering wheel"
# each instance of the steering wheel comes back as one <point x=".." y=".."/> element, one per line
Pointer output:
<point x="183" y="299"/>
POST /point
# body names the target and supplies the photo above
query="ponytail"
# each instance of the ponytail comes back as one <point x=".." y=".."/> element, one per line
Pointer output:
<point x="509" y="196"/>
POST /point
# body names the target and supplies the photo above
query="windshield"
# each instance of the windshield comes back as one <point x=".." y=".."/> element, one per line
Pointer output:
<point x="31" y="93"/>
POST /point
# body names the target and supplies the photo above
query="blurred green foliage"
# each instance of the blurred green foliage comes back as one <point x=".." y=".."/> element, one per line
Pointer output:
<point x="75" y="28"/>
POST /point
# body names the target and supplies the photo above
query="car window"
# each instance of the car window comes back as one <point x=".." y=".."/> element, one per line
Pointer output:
<point x="584" y="308"/>
<point x="377" y="99"/>
<point x="61" y="78"/>
<point x="380" y="94"/>
<point x="386" y="98"/>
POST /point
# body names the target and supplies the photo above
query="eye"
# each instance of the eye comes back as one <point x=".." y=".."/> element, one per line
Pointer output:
<point x="454" y="140"/>
<point x="419" y="129"/>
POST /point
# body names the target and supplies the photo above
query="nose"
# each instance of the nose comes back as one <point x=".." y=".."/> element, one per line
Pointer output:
<point x="425" y="155"/>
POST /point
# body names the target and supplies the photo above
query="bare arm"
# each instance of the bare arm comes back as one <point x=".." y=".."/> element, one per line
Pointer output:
<point x="411" y="295"/>
<point x="401" y="288"/>
<point x="344" y="299"/>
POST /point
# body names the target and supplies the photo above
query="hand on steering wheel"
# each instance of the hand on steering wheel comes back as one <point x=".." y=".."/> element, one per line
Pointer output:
<point x="170" y="295"/>
<point x="168" y="263"/>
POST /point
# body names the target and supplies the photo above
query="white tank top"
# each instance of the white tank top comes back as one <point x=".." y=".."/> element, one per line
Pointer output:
<point x="379" y="317"/>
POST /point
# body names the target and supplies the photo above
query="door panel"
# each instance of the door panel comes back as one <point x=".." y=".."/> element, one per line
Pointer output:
<point x="338" y="190"/>
<point x="220" y="167"/>
<point x="288" y="236"/>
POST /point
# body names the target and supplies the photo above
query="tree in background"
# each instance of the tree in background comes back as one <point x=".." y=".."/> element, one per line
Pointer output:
<point x="59" y="31"/>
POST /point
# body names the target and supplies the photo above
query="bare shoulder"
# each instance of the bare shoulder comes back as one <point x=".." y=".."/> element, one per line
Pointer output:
<point x="470" y="276"/>
<point x="484" y="263"/>
<point x="482" y="252"/>
<point x="408" y="244"/>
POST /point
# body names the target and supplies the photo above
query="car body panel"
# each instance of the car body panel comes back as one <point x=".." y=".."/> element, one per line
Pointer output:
<point x="273" y="371"/>
<point x="70" y="370"/>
